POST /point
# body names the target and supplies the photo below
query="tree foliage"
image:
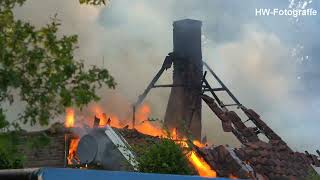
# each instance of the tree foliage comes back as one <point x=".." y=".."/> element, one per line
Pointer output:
<point x="38" y="68"/>
<point x="8" y="161"/>
<point x="9" y="155"/>
<point x="164" y="157"/>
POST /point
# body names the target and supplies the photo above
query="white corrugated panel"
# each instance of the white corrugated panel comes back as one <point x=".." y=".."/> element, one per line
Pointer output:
<point x="122" y="146"/>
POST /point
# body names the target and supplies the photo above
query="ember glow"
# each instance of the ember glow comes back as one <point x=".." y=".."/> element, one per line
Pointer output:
<point x="233" y="177"/>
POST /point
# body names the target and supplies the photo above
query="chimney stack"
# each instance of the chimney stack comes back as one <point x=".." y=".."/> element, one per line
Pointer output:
<point x="184" y="106"/>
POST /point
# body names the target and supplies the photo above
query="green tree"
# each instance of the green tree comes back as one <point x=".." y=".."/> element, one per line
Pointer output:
<point x="9" y="155"/>
<point x="38" y="69"/>
<point x="164" y="157"/>
<point x="7" y="161"/>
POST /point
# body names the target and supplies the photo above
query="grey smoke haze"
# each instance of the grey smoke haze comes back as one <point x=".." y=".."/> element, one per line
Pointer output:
<point x="259" y="58"/>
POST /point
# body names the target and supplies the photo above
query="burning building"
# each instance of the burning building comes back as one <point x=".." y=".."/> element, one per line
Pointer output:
<point x="96" y="147"/>
<point x="102" y="142"/>
<point x="272" y="159"/>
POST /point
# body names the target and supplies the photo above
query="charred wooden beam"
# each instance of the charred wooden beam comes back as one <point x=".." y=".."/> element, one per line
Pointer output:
<point x="212" y="92"/>
<point x="221" y="83"/>
<point x="133" y="116"/>
<point x="166" y="65"/>
<point x="213" y="89"/>
<point x="96" y="122"/>
<point x="168" y="85"/>
<point x="230" y="105"/>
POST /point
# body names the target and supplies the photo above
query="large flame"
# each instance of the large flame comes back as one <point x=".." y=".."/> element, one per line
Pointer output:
<point x="144" y="126"/>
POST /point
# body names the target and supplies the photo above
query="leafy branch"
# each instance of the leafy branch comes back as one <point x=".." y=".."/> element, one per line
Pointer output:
<point x="38" y="67"/>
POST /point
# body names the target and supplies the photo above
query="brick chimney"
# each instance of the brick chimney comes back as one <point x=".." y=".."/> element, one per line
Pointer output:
<point x="184" y="106"/>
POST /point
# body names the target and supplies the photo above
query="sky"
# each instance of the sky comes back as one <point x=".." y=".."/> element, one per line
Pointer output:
<point x="269" y="62"/>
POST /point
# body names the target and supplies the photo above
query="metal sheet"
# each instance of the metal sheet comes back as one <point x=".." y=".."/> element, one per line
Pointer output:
<point x="87" y="149"/>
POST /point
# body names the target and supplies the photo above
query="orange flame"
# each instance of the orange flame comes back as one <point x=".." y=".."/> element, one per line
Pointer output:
<point x="201" y="166"/>
<point x="142" y="125"/>
<point x="114" y="120"/>
<point x="69" y="122"/>
<point x="198" y="144"/>
<point x="174" y="134"/>
<point x="72" y="149"/>
<point x="198" y="163"/>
